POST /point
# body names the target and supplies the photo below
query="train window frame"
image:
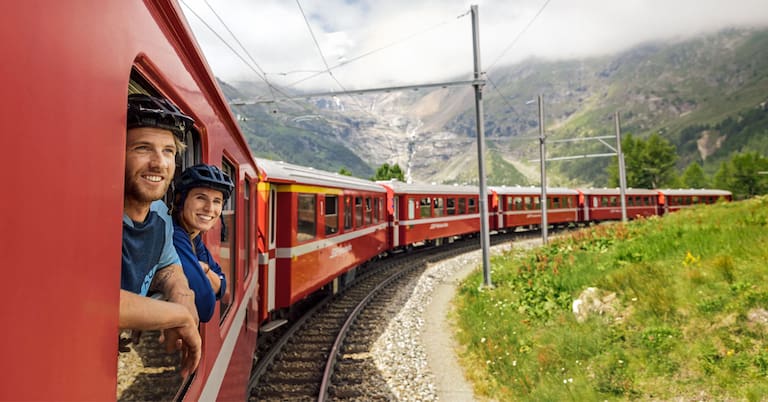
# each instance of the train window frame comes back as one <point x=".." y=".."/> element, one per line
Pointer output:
<point x="425" y="205"/>
<point x="368" y="218"/>
<point x="462" y="206"/>
<point x="347" y="212"/>
<point x="472" y="205"/>
<point x="437" y="206"/>
<point x="358" y="211"/>
<point x="331" y="211"/>
<point x="411" y="208"/>
<point x="450" y="206"/>
<point x="228" y="236"/>
<point x="309" y="230"/>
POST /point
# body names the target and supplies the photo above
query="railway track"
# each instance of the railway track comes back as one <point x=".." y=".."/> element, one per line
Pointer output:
<point x="326" y="354"/>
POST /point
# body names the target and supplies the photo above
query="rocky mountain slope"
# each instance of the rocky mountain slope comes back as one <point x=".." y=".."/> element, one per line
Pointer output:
<point x="684" y="91"/>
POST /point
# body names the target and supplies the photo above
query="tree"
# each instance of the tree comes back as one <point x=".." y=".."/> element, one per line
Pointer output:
<point x="746" y="181"/>
<point x="386" y="172"/>
<point x="649" y="164"/>
<point x="693" y="177"/>
<point x="344" y="172"/>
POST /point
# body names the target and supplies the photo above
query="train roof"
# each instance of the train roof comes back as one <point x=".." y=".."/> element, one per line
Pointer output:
<point x="283" y="172"/>
<point x="694" y="191"/>
<point x="435" y="189"/>
<point x="529" y="190"/>
<point x="617" y="191"/>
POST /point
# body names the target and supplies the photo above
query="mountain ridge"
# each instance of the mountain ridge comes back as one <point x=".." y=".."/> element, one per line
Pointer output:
<point x="683" y="90"/>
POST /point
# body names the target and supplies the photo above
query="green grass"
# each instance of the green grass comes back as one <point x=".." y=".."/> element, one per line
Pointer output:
<point x="688" y="320"/>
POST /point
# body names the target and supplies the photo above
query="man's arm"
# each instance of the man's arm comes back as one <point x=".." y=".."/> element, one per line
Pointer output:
<point x="172" y="282"/>
<point x="179" y="326"/>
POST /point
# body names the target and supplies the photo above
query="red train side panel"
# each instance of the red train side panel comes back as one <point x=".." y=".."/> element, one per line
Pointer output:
<point x="326" y="224"/>
<point x="513" y="207"/>
<point x="424" y="213"/>
<point x="605" y="204"/>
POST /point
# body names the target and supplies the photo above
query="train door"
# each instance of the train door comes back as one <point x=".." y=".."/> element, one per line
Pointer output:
<point x="272" y="247"/>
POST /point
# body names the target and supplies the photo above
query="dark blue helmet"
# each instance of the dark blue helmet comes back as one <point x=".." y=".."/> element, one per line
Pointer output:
<point x="149" y="111"/>
<point x="203" y="175"/>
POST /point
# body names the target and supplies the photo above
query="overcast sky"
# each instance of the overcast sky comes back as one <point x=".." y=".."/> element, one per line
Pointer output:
<point x="406" y="42"/>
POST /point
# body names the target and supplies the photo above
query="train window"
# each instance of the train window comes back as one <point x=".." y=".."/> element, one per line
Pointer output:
<point x="528" y="203"/>
<point x="358" y="212"/>
<point x="376" y="211"/>
<point x="462" y="206"/>
<point x="555" y="202"/>
<point x="331" y="214"/>
<point x="425" y="207"/>
<point x="307" y="216"/>
<point x="227" y="251"/>
<point x="614" y="201"/>
<point x="368" y="210"/>
<point x="450" y="206"/>
<point x="472" y="208"/>
<point x="411" y="208"/>
<point x="536" y="203"/>
<point x="437" y="206"/>
<point x="347" y="213"/>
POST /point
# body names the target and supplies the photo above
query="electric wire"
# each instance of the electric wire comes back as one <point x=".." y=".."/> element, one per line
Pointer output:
<point x="322" y="56"/>
<point x="519" y="35"/>
<point x="247" y="53"/>
<point x="239" y="56"/>
<point x="376" y="50"/>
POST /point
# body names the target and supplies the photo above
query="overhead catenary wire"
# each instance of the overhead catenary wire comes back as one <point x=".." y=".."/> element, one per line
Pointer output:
<point x="322" y="56"/>
<point x="247" y="53"/>
<point x="259" y="74"/>
<point x="519" y="35"/>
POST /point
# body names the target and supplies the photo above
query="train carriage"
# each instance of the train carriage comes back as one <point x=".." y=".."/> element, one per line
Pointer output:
<point x="674" y="200"/>
<point x="422" y="213"/>
<point x="605" y="204"/>
<point x="324" y="225"/>
<point x="70" y="68"/>
<point x="516" y="207"/>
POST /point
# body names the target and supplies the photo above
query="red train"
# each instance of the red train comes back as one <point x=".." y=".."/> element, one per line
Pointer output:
<point x="291" y="230"/>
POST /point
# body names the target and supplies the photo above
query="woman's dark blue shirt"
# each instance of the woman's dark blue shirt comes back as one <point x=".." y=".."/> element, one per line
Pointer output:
<point x="205" y="299"/>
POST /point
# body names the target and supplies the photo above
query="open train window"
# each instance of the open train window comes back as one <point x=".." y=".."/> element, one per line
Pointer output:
<point x="368" y="210"/>
<point x="331" y="214"/>
<point x="358" y="212"/>
<point x="438" y="207"/>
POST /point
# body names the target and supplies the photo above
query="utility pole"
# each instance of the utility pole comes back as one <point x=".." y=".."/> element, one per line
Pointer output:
<point x="485" y="237"/>
<point x="543" y="157"/>
<point x="622" y="172"/>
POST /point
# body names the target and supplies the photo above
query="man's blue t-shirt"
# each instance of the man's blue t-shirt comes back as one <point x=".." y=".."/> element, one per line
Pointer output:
<point x="205" y="299"/>
<point x="147" y="247"/>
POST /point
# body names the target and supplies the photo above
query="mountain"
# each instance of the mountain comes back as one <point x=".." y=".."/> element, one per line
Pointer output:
<point x="707" y="96"/>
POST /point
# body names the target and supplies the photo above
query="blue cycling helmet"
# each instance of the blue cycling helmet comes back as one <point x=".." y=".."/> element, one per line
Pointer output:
<point x="149" y="111"/>
<point x="203" y="175"/>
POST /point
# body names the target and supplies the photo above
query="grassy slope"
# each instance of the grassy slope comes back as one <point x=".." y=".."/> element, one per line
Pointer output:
<point x="689" y="320"/>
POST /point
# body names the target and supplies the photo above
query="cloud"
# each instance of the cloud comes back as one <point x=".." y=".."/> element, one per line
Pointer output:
<point x="373" y="43"/>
